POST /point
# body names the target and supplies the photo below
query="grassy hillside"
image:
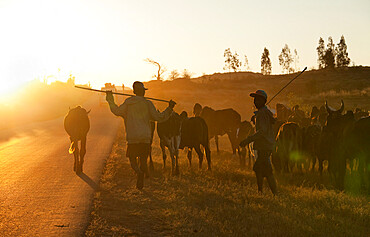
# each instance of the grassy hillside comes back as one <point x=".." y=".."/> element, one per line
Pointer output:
<point x="232" y="89"/>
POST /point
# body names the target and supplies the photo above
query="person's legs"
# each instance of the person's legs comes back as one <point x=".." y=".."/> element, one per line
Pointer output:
<point x="259" y="177"/>
<point x="272" y="183"/>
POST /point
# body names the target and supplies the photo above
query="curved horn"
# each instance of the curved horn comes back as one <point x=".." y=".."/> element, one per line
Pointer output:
<point x="341" y="107"/>
<point x="88" y="111"/>
<point x="327" y="107"/>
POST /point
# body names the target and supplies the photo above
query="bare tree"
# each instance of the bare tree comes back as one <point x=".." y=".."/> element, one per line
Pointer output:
<point x="173" y="75"/>
<point x="186" y="74"/>
<point x="160" y="71"/>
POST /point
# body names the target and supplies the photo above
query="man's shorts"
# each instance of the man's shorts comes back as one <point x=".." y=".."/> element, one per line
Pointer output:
<point x="263" y="163"/>
<point x="141" y="150"/>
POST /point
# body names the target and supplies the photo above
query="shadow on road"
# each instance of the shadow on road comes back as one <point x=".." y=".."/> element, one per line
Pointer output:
<point x="89" y="181"/>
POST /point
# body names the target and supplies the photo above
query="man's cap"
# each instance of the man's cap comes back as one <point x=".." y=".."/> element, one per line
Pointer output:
<point x="259" y="93"/>
<point x="138" y="85"/>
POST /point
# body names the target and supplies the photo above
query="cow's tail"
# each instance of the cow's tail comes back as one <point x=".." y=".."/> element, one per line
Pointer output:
<point x="72" y="148"/>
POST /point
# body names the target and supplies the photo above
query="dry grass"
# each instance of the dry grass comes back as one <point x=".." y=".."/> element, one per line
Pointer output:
<point x="223" y="202"/>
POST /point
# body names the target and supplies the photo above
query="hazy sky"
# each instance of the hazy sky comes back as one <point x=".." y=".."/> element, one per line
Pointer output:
<point x="107" y="41"/>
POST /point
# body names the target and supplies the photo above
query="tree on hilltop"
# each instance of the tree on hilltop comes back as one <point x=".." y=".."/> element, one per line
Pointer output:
<point x="232" y="61"/>
<point x="160" y="71"/>
<point x="286" y="59"/>
<point x="265" y="62"/>
<point x="342" y="58"/>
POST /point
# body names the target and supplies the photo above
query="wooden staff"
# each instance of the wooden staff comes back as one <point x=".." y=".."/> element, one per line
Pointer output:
<point x="118" y="93"/>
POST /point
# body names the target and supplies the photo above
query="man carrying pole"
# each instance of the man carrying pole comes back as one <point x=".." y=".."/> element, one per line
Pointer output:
<point x="137" y="113"/>
<point x="263" y="141"/>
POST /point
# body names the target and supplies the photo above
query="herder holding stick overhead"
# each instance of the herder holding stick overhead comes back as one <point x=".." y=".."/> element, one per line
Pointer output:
<point x="137" y="113"/>
<point x="263" y="141"/>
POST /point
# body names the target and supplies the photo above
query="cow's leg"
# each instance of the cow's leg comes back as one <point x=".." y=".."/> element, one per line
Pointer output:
<point x="216" y="141"/>
<point x="190" y="150"/>
<point x="176" y="153"/>
<point x="200" y="155"/>
<point x="208" y="155"/>
<point x="76" y="154"/>
<point x="164" y="156"/>
<point x="232" y="139"/>
<point x="82" y="153"/>
<point x="313" y="163"/>
<point x="171" y="147"/>
<point x="242" y="155"/>
<point x="321" y="167"/>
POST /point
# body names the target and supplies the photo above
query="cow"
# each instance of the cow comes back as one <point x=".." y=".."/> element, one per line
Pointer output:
<point x="298" y="116"/>
<point x="357" y="146"/>
<point x="282" y="112"/>
<point x="360" y="114"/>
<point x="288" y="147"/>
<point x="169" y="135"/>
<point x="194" y="134"/>
<point x="243" y="132"/>
<point x="332" y="142"/>
<point x="310" y="145"/>
<point x="220" y="122"/>
<point x="77" y="125"/>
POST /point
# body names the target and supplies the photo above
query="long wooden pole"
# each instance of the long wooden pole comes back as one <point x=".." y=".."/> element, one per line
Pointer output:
<point x="118" y="93"/>
<point x="287" y="85"/>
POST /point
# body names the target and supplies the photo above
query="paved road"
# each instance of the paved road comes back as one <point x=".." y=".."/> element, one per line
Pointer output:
<point x="40" y="195"/>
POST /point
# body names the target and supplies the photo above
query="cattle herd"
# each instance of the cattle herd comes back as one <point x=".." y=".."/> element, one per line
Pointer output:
<point x="302" y="139"/>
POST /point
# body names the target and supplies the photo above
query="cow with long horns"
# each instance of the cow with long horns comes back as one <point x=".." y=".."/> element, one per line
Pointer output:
<point x="332" y="142"/>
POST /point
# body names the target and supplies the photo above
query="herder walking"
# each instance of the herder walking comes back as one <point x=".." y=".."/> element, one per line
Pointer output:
<point x="137" y="113"/>
<point x="263" y="141"/>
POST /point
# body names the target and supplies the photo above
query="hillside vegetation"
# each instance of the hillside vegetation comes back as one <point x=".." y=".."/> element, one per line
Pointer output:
<point x="232" y="89"/>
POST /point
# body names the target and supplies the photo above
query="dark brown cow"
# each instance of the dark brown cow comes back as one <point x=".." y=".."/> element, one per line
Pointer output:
<point x="332" y="143"/>
<point x="288" y="147"/>
<point x="169" y="133"/>
<point x="311" y="139"/>
<point x="77" y="125"/>
<point x="244" y="131"/>
<point x="282" y="112"/>
<point x="220" y="122"/>
<point x="194" y="134"/>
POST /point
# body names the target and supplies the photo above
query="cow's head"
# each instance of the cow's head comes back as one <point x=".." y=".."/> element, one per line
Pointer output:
<point x="197" y="110"/>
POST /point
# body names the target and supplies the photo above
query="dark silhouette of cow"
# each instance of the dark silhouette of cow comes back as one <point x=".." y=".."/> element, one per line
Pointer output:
<point x="194" y="134"/>
<point x="357" y="146"/>
<point x="311" y="139"/>
<point x="169" y="135"/>
<point x="332" y="143"/>
<point x="77" y="125"/>
<point x="220" y="122"/>
<point x="243" y="132"/>
<point x="288" y="147"/>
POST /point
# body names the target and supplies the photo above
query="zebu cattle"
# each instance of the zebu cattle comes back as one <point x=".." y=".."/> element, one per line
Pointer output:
<point x="244" y="131"/>
<point x="194" y="133"/>
<point x="169" y="135"/>
<point x="282" y="112"/>
<point x="357" y="145"/>
<point x="220" y="122"/>
<point x="288" y="147"/>
<point x="360" y="114"/>
<point x="77" y="125"/>
<point x="332" y="143"/>
<point x="311" y="139"/>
